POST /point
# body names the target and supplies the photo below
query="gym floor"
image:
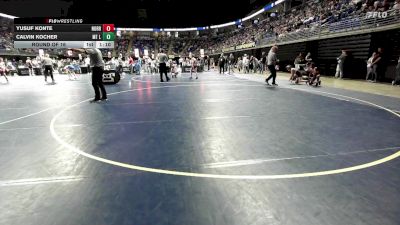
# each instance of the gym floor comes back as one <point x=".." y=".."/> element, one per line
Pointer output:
<point x="214" y="151"/>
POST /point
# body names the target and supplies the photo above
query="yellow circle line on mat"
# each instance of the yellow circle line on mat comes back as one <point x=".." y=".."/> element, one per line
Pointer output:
<point x="222" y="176"/>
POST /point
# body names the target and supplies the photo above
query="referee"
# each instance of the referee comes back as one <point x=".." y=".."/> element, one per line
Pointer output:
<point x="162" y="59"/>
<point x="48" y="67"/>
<point x="271" y="62"/>
<point x="97" y="67"/>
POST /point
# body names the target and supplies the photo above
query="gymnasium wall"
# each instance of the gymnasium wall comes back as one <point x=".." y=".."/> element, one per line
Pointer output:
<point x="325" y="51"/>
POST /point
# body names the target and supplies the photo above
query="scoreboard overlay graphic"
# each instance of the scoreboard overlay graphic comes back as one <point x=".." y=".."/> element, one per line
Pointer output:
<point x="62" y="33"/>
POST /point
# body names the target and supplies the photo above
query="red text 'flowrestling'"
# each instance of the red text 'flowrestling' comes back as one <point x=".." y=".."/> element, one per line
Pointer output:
<point x="64" y="21"/>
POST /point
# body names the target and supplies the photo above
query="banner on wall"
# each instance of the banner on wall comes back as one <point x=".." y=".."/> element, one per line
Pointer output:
<point x="229" y="49"/>
<point x="248" y="45"/>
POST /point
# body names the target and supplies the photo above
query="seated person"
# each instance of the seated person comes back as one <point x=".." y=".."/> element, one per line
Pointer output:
<point x="314" y="78"/>
<point x="299" y="61"/>
<point x="396" y="80"/>
<point x="296" y="74"/>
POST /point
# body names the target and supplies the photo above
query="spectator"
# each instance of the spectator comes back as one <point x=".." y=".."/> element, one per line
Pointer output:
<point x="231" y="62"/>
<point x="263" y="62"/>
<point x="396" y="5"/>
<point x="245" y="64"/>
<point x="381" y="67"/>
<point x="299" y="60"/>
<point x="3" y="69"/>
<point x="221" y="64"/>
<point x="308" y="57"/>
<point x="396" y="80"/>
<point x="371" y="67"/>
<point x="340" y="66"/>
<point x="239" y="64"/>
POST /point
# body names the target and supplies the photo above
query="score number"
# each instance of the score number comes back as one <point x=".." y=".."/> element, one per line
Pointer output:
<point x="108" y="36"/>
<point x="108" y="28"/>
<point x="108" y="32"/>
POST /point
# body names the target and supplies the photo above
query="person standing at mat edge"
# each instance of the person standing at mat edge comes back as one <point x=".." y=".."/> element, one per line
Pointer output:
<point x="48" y="67"/>
<point x="163" y="59"/>
<point x="222" y="62"/>
<point x="97" y="68"/>
<point x="271" y="63"/>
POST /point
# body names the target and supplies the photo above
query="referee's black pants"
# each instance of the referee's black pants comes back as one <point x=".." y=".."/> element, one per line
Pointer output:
<point x="48" y="70"/>
<point x="97" y="83"/>
<point x="163" y="70"/>
<point x="222" y="68"/>
<point x="272" y="70"/>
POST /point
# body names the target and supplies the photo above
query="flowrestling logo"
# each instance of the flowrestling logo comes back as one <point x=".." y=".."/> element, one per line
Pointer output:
<point x="68" y="21"/>
<point x="379" y="15"/>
